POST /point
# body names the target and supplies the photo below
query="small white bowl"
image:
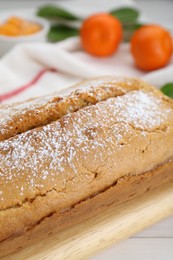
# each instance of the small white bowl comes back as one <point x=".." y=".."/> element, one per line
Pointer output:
<point x="8" y="42"/>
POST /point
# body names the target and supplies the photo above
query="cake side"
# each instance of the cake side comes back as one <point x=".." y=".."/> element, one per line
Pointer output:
<point x="125" y="189"/>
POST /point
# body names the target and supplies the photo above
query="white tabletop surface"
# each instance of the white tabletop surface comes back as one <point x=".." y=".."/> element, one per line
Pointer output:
<point x="156" y="243"/>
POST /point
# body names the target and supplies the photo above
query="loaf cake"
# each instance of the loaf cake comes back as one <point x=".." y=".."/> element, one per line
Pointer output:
<point x="67" y="156"/>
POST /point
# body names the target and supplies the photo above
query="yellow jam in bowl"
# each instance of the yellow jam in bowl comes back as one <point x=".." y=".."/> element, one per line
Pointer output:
<point x="16" y="26"/>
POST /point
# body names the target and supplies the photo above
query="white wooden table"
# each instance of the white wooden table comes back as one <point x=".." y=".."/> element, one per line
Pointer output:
<point x="155" y="243"/>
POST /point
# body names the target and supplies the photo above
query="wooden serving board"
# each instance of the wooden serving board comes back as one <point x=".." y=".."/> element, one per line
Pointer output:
<point x="100" y="232"/>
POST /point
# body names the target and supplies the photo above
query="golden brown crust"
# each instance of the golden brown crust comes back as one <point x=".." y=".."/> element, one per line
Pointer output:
<point x="115" y="128"/>
<point x="124" y="189"/>
<point x="20" y="117"/>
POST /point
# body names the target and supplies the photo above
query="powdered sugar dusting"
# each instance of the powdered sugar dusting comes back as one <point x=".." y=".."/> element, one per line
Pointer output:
<point x="140" y="109"/>
<point x="8" y="111"/>
<point x="39" y="157"/>
<point x="22" y="113"/>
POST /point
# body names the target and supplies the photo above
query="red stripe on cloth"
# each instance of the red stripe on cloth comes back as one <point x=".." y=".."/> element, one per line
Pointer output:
<point x="18" y="90"/>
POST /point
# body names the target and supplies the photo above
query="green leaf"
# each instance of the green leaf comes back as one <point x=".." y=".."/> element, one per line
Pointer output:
<point x="55" y="12"/>
<point x="129" y="29"/>
<point x="61" y="32"/>
<point x="167" y="89"/>
<point x="126" y="14"/>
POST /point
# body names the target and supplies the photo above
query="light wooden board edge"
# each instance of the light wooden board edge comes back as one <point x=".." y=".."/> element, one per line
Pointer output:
<point x="98" y="233"/>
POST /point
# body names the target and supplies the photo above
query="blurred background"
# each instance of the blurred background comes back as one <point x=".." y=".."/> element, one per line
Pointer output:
<point x="55" y="27"/>
<point x="158" y="11"/>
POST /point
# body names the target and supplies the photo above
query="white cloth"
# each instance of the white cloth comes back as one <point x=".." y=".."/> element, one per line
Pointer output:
<point x="24" y="63"/>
